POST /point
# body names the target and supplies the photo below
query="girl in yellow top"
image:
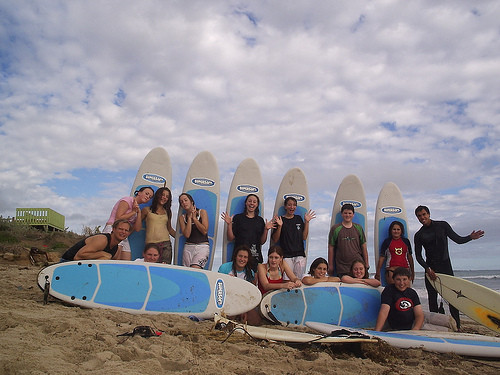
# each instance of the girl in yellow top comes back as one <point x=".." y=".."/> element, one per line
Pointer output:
<point x="158" y="219"/>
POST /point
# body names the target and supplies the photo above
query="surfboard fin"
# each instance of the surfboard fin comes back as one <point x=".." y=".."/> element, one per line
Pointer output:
<point x="46" y="290"/>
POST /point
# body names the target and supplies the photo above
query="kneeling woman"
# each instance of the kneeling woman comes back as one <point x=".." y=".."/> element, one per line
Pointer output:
<point x="317" y="273"/>
<point x="241" y="267"/>
<point x="270" y="274"/>
<point x="194" y="226"/>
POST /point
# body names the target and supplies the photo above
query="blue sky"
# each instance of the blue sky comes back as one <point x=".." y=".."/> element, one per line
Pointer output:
<point x="390" y="91"/>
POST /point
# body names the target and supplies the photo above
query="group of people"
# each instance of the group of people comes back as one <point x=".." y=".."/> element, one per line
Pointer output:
<point x="127" y="217"/>
<point x="286" y="259"/>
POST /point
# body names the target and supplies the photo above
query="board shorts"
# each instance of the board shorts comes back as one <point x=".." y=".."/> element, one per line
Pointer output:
<point x="195" y="254"/>
<point x="297" y="265"/>
<point x="165" y="252"/>
<point x="124" y="244"/>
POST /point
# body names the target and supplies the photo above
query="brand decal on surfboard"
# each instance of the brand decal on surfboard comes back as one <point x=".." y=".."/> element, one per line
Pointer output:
<point x="220" y="293"/>
<point x="356" y="204"/>
<point x="247" y="189"/>
<point x="202" y="181"/>
<point x="298" y="197"/>
<point x="391" y="210"/>
<point x="154" y="178"/>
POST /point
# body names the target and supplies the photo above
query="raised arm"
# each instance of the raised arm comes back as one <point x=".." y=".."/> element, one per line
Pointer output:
<point x="202" y="222"/>
<point x="121" y="213"/>
<point x="229" y="221"/>
<point x="269" y="225"/>
<point x="309" y="215"/>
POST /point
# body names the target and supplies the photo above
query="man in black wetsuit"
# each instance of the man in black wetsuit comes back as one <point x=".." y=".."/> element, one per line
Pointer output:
<point x="433" y="236"/>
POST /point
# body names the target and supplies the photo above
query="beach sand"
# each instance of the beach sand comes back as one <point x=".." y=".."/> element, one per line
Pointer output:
<point x="61" y="339"/>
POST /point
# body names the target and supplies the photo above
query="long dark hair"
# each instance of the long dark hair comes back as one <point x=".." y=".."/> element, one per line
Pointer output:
<point x="167" y="206"/>
<point x="248" y="266"/>
<point x="316" y="263"/>
<point x="143" y="188"/>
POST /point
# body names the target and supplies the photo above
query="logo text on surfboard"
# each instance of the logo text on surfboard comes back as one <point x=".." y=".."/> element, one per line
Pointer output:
<point x="298" y="197"/>
<point x="356" y="204"/>
<point x="220" y="293"/>
<point x="391" y="210"/>
<point x="154" y="178"/>
<point x="202" y="181"/>
<point x="247" y="189"/>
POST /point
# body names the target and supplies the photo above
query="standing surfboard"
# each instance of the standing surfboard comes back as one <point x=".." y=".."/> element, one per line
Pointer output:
<point x="350" y="305"/>
<point x="435" y="341"/>
<point x="246" y="180"/>
<point x="350" y="191"/>
<point x="478" y="302"/>
<point x="203" y="184"/>
<point x="148" y="288"/>
<point x="293" y="184"/>
<point x="155" y="172"/>
<point x="390" y="207"/>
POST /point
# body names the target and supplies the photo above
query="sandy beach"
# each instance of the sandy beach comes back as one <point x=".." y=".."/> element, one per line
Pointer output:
<point x="61" y="339"/>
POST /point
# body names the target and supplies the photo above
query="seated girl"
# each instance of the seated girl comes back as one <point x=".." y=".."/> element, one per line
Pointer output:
<point x="317" y="273"/>
<point x="241" y="267"/>
<point x="270" y="274"/>
<point x="359" y="275"/>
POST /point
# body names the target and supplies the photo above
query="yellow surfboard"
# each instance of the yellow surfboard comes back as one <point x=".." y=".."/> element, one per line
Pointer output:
<point x="479" y="303"/>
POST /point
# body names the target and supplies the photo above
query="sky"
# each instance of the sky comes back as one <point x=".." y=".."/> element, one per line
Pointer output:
<point x="396" y="91"/>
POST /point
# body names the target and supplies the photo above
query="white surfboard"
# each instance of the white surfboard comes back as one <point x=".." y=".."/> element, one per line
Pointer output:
<point x="436" y="341"/>
<point x="350" y="191"/>
<point x="478" y="302"/>
<point x="246" y="180"/>
<point x="293" y="184"/>
<point x="148" y="288"/>
<point x="390" y="207"/>
<point x="203" y="184"/>
<point x="155" y="171"/>
<point x="290" y="336"/>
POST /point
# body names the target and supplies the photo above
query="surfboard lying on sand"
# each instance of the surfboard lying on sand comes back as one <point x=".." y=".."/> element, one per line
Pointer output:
<point x="155" y="171"/>
<point x="350" y="305"/>
<point x="148" y="288"/>
<point x="246" y="180"/>
<point x="203" y="184"/>
<point x="479" y="303"/>
<point x="436" y="341"/>
<point x="390" y="207"/>
<point x="288" y="335"/>
<point x="293" y="184"/>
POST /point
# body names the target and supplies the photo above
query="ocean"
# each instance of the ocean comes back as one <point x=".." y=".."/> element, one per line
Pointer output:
<point x="487" y="278"/>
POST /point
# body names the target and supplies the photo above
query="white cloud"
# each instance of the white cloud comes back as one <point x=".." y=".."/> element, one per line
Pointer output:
<point x="285" y="83"/>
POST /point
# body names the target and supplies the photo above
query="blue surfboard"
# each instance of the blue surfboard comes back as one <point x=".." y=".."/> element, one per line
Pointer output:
<point x="203" y="184"/>
<point x="155" y="171"/>
<point x="351" y="305"/>
<point x="351" y="191"/>
<point x="148" y="288"/>
<point x="390" y="207"/>
<point x="246" y="180"/>
<point x="293" y="184"/>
